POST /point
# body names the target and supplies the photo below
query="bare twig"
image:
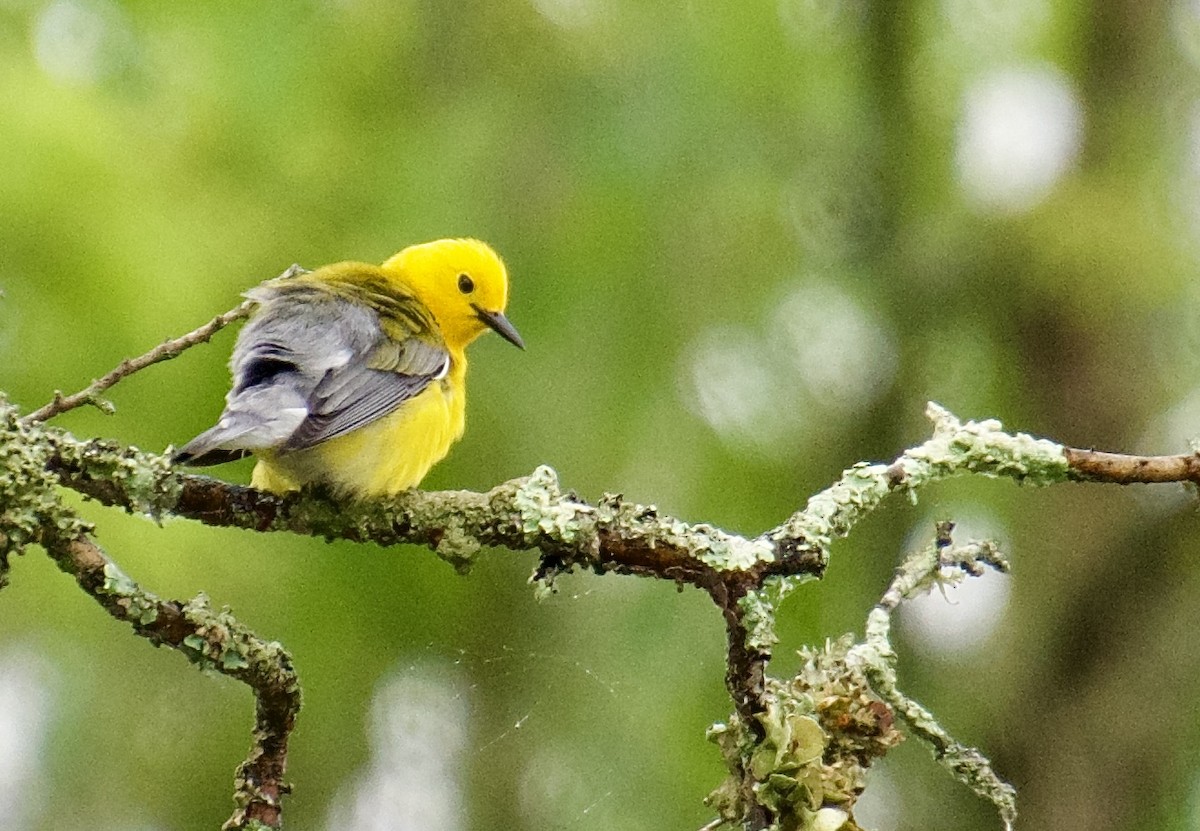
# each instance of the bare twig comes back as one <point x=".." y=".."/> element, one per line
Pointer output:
<point x="166" y="351"/>
<point x="91" y="394"/>
<point x="1121" y="469"/>
<point x="163" y="352"/>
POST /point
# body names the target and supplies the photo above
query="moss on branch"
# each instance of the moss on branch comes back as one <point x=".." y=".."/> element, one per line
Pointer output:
<point x="31" y="512"/>
<point x="797" y="750"/>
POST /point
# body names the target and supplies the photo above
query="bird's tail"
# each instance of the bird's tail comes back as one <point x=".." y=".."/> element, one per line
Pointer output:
<point x="192" y="456"/>
<point x="217" y="444"/>
<point x="256" y="419"/>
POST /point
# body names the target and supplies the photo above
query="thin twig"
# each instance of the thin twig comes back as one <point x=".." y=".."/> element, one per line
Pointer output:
<point x="1122" y="469"/>
<point x="919" y="572"/>
<point x="91" y="394"/>
<point x="163" y="352"/>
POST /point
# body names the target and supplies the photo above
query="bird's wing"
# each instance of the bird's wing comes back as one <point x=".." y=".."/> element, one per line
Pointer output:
<point x="314" y="364"/>
<point x="368" y="387"/>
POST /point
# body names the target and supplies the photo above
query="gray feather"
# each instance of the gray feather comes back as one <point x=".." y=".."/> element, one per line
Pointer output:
<point x="308" y="367"/>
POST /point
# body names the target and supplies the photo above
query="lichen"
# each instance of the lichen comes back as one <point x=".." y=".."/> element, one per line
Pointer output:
<point x="729" y="552"/>
<point x="219" y="641"/>
<point x="543" y="511"/>
<point x="29" y="503"/>
<point x="983" y="447"/>
<point x="758" y="618"/>
<point x="457" y="546"/>
<point x="137" y="606"/>
<point x="819" y="734"/>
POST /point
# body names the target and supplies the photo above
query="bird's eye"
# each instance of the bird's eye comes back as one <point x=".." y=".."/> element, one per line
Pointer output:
<point x="465" y="284"/>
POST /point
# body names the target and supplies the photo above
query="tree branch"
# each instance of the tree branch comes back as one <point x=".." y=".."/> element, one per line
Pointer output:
<point x="746" y="577"/>
<point x="1120" y="469"/>
<point x="170" y="349"/>
<point x="163" y="352"/>
<point x="32" y="513"/>
<point x="940" y="563"/>
<point x="211" y="640"/>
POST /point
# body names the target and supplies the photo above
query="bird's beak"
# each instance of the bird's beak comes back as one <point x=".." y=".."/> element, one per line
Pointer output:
<point x="501" y="324"/>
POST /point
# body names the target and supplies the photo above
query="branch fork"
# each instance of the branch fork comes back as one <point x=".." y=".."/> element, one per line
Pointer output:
<point x="746" y="577"/>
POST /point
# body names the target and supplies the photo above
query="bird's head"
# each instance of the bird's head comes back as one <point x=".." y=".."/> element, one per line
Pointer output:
<point x="463" y="282"/>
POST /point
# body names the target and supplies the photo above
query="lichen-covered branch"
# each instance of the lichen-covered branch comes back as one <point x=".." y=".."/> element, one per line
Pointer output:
<point x="956" y="448"/>
<point x="31" y="513"/>
<point x="939" y="564"/>
<point x="169" y="349"/>
<point x="212" y="640"/>
<point x="534" y="512"/>
<point x="806" y="755"/>
<point x="745" y="576"/>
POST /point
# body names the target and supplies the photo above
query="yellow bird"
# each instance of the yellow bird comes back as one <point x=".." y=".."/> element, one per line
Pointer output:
<point x="354" y="375"/>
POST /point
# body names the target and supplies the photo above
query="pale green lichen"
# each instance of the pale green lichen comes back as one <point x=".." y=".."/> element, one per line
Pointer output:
<point x="708" y="544"/>
<point x="729" y="552"/>
<point x="220" y="642"/>
<point x="937" y="564"/>
<point x="117" y="581"/>
<point x="983" y="447"/>
<point x="232" y="660"/>
<point x="819" y="734"/>
<point x="758" y="616"/>
<point x="544" y="512"/>
<point x="457" y="546"/>
<point x="146" y="481"/>
<point x="29" y="503"/>
<point x="542" y="509"/>
<point x="137" y="606"/>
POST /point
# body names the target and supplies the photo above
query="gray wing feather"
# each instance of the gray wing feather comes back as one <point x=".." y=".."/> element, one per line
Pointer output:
<point x="303" y="374"/>
<point x="357" y="398"/>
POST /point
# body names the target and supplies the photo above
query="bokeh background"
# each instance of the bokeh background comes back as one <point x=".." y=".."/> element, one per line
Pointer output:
<point x="748" y="242"/>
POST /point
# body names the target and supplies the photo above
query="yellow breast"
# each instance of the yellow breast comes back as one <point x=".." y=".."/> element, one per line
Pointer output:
<point x="384" y="457"/>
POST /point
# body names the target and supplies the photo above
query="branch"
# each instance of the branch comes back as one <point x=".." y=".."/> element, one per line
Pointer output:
<point x="1120" y="469"/>
<point x="170" y="349"/>
<point x="956" y="448"/>
<point x="939" y="564"/>
<point x="163" y="352"/>
<point x="211" y="640"/>
<point x="32" y="513"/>
<point x="746" y="577"/>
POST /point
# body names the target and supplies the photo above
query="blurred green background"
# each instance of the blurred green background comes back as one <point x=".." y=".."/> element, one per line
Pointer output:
<point x="748" y="242"/>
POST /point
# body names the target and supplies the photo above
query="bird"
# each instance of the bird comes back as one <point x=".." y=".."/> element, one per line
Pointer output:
<point x="353" y="376"/>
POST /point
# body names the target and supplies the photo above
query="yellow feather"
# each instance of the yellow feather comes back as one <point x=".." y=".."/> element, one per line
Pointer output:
<point x="384" y="457"/>
<point x="445" y="293"/>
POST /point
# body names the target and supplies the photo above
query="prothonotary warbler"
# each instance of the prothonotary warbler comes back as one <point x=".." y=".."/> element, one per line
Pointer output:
<point x="354" y="375"/>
